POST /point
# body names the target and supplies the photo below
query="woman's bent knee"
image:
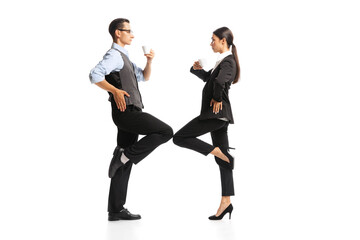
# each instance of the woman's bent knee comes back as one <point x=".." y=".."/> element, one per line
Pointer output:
<point x="178" y="140"/>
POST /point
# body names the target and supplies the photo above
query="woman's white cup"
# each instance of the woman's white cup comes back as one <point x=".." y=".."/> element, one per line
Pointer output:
<point x="203" y="62"/>
<point x="146" y="49"/>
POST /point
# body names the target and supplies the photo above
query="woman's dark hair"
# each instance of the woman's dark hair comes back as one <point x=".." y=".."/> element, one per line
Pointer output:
<point x="226" y="33"/>
<point x="116" y="24"/>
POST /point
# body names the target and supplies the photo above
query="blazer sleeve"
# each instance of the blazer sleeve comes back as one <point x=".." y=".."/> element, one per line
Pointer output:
<point x="202" y="74"/>
<point x="224" y="76"/>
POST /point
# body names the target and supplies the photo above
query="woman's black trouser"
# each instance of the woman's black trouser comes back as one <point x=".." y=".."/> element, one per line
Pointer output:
<point x="187" y="137"/>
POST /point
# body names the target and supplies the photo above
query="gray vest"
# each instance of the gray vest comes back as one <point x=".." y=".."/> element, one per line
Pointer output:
<point x="126" y="80"/>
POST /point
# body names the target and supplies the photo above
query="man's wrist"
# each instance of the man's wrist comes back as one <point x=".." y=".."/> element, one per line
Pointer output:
<point x="113" y="90"/>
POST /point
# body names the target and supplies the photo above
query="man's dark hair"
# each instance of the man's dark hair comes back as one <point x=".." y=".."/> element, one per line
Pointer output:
<point x="116" y="24"/>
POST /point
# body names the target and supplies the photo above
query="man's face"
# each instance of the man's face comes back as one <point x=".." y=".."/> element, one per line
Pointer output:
<point x="125" y="34"/>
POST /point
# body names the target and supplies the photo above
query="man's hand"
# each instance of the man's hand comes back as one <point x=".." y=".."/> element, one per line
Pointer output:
<point x="217" y="106"/>
<point x="150" y="56"/>
<point x="117" y="93"/>
<point x="147" y="69"/>
<point x="120" y="99"/>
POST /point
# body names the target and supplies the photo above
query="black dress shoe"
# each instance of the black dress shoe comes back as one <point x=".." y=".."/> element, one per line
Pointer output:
<point x="123" y="215"/>
<point x="229" y="210"/>
<point x="115" y="161"/>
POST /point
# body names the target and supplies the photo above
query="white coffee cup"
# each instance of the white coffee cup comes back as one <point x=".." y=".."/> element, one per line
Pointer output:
<point x="146" y="49"/>
<point x="203" y="62"/>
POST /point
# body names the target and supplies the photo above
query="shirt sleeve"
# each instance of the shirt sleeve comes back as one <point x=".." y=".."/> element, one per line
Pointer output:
<point x="138" y="73"/>
<point x="110" y="62"/>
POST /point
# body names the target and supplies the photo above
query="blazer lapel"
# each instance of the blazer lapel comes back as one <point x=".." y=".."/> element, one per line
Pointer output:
<point x="217" y="67"/>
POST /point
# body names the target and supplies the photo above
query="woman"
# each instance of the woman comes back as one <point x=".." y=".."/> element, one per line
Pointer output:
<point x="215" y="114"/>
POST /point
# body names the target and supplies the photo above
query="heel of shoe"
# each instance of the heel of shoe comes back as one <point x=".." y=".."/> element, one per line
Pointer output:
<point x="230" y="211"/>
<point x="112" y="218"/>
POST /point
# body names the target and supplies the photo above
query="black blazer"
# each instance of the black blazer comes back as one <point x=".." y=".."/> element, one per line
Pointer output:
<point x="217" y="87"/>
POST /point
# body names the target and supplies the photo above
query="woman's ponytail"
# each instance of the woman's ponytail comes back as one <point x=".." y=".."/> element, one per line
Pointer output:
<point x="226" y="33"/>
<point x="234" y="53"/>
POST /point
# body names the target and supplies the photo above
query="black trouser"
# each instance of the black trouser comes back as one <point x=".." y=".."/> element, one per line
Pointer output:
<point x="130" y="124"/>
<point x="187" y="137"/>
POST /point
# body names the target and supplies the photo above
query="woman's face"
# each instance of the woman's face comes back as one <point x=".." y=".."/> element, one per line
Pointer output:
<point x="216" y="44"/>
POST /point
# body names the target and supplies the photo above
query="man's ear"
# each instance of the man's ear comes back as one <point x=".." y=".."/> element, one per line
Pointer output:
<point x="117" y="33"/>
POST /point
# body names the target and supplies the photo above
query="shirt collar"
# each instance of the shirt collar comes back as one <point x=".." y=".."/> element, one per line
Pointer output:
<point x="220" y="58"/>
<point x="120" y="48"/>
<point x="223" y="55"/>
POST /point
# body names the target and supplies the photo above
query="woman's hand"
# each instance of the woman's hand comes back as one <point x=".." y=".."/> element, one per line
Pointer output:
<point x="197" y="66"/>
<point x="217" y="106"/>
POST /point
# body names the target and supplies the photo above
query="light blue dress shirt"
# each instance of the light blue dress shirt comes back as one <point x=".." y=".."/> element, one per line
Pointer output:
<point x="113" y="62"/>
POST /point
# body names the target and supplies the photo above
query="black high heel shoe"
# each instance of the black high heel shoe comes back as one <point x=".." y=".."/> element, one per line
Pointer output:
<point x="225" y="151"/>
<point x="229" y="210"/>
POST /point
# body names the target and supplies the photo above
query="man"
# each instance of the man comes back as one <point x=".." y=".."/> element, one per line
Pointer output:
<point x="119" y="76"/>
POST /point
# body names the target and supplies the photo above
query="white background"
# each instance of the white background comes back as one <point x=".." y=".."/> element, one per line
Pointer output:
<point x="296" y="111"/>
